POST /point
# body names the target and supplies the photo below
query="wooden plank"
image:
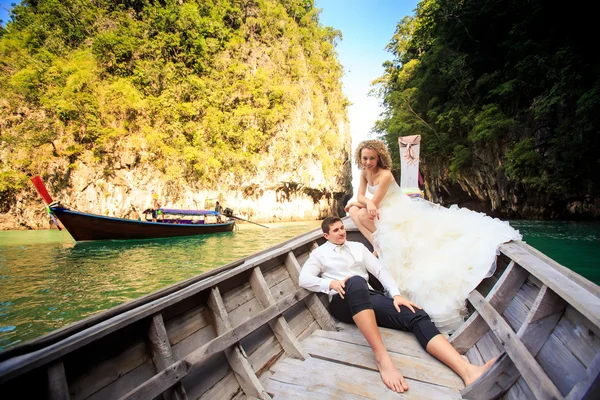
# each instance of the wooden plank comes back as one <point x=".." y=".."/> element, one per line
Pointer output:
<point x="226" y="388"/>
<point x="581" y="341"/>
<point x="360" y="356"/>
<point x="572" y="290"/>
<point x="276" y="275"/>
<point x="299" y="318"/>
<point x="120" y="386"/>
<point x="185" y="324"/>
<point x="546" y="303"/>
<point x="162" y="356"/>
<point x="237" y="296"/>
<point x="309" y="331"/>
<point x="487" y="346"/>
<point x="494" y="382"/>
<point x="279" y="326"/>
<point x="519" y="391"/>
<point x="207" y="375"/>
<point x="282" y="289"/>
<point x="395" y="341"/>
<point x="158" y="384"/>
<point x="239" y="315"/>
<point x="589" y="386"/>
<point x="291" y="391"/>
<point x="113" y="359"/>
<point x="317" y="309"/>
<point x="58" y="389"/>
<point x="534" y="375"/>
<point x="538" y="332"/>
<point x="265" y="355"/>
<point x="560" y="364"/>
<point x="238" y="361"/>
<point x="321" y="379"/>
<point x="474" y="356"/>
<point x="193" y="342"/>
<point x="516" y="312"/>
<point x="499" y="297"/>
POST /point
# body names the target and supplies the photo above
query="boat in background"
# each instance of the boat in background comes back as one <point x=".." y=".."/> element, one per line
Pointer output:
<point x="85" y="226"/>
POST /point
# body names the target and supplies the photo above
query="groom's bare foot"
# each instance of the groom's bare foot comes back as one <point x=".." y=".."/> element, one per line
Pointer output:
<point x="477" y="370"/>
<point x="390" y="375"/>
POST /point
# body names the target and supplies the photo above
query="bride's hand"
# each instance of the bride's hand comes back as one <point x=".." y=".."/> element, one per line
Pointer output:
<point x="372" y="210"/>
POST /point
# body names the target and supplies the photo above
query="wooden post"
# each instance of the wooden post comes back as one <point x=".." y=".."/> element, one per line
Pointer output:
<point x="162" y="356"/>
<point x="279" y="326"/>
<point x="237" y="360"/>
<point x="57" y="382"/>
<point x="410" y="148"/>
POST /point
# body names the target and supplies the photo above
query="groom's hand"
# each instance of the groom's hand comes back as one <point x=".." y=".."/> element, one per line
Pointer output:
<point x="339" y="286"/>
<point x="401" y="301"/>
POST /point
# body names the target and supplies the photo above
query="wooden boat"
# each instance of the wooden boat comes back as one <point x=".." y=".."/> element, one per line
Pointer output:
<point x="247" y="330"/>
<point x="84" y="226"/>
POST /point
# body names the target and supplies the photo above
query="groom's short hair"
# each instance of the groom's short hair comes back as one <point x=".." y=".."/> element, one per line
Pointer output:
<point x="327" y="223"/>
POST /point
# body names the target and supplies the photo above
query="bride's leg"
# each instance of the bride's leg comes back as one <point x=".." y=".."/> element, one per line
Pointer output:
<point x="361" y="219"/>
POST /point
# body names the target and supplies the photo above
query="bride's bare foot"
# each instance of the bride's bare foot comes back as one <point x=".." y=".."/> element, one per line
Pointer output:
<point x="477" y="370"/>
<point x="390" y="375"/>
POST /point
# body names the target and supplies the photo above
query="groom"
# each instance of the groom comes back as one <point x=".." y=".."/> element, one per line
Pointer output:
<point x="339" y="268"/>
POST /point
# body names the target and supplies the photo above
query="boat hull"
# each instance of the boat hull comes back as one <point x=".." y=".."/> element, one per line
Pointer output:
<point x="83" y="226"/>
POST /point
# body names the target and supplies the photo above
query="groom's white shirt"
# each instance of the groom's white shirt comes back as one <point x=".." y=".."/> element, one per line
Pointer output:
<point x="331" y="262"/>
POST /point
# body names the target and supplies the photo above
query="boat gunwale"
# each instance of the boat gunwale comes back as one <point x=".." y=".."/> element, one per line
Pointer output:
<point x="562" y="283"/>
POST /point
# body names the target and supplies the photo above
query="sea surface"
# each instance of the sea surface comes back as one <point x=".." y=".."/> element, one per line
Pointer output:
<point x="48" y="281"/>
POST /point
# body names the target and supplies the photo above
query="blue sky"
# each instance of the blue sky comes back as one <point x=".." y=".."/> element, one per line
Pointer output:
<point x="367" y="27"/>
<point x="6" y="5"/>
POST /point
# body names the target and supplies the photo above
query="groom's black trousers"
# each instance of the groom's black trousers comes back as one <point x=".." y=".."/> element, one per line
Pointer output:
<point x="359" y="297"/>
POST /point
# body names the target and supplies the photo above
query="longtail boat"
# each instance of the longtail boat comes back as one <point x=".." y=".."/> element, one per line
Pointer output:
<point x="247" y="330"/>
<point x="84" y="226"/>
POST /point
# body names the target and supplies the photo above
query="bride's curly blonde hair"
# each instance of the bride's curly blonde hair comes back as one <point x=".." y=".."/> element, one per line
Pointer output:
<point x="385" y="160"/>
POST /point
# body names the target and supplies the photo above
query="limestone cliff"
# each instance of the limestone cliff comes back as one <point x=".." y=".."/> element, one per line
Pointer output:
<point x="200" y="101"/>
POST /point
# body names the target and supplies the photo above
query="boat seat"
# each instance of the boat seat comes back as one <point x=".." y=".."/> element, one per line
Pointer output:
<point x="342" y="365"/>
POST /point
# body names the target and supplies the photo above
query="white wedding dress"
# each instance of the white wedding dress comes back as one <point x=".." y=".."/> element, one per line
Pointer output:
<point x="436" y="254"/>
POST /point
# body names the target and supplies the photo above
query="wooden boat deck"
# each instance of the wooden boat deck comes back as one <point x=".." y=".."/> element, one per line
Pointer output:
<point x="342" y="366"/>
<point x="247" y="330"/>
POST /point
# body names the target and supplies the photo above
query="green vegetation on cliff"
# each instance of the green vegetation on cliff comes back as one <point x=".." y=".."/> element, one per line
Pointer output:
<point x="201" y="90"/>
<point x="507" y="97"/>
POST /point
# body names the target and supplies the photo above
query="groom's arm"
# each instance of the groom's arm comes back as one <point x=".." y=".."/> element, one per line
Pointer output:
<point x="310" y="278"/>
<point x="376" y="267"/>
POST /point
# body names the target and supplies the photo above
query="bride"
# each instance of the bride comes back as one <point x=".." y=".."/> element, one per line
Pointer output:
<point x="437" y="255"/>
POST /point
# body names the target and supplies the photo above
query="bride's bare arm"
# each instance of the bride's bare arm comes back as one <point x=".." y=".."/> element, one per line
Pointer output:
<point x="385" y="180"/>
<point x="384" y="183"/>
<point x="353" y="204"/>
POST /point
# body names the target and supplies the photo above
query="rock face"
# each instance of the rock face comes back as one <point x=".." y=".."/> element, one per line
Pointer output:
<point x="484" y="187"/>
<point x="300" y="190"/>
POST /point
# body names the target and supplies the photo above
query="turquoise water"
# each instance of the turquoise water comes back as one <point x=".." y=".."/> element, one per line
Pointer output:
<point x="48" y="281"/>
<point x="576" y="245"/>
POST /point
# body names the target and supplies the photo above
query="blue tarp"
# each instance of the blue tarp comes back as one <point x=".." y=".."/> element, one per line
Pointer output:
<point x="172" y="211"/>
